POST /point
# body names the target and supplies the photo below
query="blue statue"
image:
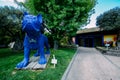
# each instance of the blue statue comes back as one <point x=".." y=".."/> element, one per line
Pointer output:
<point x="34" y="39"/>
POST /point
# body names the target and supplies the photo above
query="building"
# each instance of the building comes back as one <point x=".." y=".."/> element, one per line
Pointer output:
<point x="93" y="37"/>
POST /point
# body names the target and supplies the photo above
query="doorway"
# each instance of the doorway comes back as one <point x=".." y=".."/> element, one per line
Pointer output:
<point x="88" y="42"/>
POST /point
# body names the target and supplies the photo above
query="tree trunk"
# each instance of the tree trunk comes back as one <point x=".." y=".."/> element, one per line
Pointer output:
<point x="55" y="44"/>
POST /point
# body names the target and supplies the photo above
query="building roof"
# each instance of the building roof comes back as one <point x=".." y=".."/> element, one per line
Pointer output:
<point x="88" y="30"/>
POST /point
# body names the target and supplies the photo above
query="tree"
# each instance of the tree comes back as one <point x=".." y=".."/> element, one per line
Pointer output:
<point x="10" y="25"/>
<point x="62" y="17"/>
<point x="110" y="20"/>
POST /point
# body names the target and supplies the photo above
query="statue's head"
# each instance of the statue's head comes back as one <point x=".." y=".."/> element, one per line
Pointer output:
<point x="31" y="24"/>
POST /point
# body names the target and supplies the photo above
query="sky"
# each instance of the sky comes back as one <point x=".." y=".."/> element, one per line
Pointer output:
<point x="100" y="8"/>
<point x="9" y="2"/>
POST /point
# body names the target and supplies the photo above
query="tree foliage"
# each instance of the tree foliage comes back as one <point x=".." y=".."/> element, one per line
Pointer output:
<point x="62" y="17"/>
<point x="109" y="20"/>
<point x="10" y="24"/>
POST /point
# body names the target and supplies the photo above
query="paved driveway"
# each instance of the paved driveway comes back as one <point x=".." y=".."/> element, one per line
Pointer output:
<point x="90" y="64"/>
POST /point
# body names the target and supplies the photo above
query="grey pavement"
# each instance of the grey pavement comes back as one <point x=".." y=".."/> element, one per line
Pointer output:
<point x="114" y="60"/>
<point x="90" y="64"/>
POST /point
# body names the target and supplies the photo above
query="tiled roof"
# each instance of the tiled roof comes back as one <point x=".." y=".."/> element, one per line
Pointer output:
<point x="88" y="30"/>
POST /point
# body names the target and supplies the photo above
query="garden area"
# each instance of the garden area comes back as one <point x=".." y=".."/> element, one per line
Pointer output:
<point x="9" y="59"/>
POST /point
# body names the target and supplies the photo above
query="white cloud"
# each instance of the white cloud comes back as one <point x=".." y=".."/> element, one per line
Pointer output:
<point x="6" y="1"/>
<point x="92" y="22"/>
<point x="21" y="0"/>
<point x="9" y="2"/>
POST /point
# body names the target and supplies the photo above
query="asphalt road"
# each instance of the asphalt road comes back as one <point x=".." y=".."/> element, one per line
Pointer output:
<point x="90" y="64"/>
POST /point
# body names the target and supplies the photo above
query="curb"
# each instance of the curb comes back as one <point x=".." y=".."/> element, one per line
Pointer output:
<point x="69" y="66"/>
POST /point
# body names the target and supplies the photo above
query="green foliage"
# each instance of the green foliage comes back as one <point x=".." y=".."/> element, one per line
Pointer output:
<point x="9" y="59"/>
<point x="109" y="19"/>
<point x="62" y="17"/>
<point x="10" y="24"/>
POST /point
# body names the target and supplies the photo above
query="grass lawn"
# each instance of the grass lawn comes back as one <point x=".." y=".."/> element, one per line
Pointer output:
<point x="9" y="59"/>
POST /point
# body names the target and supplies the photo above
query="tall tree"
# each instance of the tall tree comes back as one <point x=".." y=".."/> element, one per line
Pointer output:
<point x="110" y="20"/>
<point x="62" y="17"/>
<point x="10" y="24"/>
